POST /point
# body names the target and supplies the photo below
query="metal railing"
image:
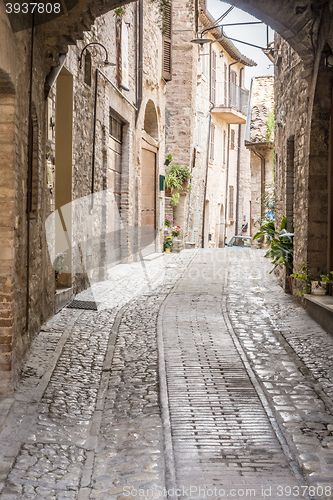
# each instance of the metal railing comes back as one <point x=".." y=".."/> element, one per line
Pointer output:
<point x="231" y="95"/>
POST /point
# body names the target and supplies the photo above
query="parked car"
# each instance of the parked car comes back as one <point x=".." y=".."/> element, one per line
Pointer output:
<point x="240" y="241"/>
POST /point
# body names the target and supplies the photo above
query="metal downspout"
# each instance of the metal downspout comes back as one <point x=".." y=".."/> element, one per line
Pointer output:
<point x="238" y="177"/>
<point x="208" y="148"/>
<point x="94" y="139"/>
<point x="140" y="62"/>
<point x="29" y="180"/>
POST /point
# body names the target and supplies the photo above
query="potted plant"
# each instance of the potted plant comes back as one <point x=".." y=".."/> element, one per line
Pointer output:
<point x="168" y="159"/>
<point x="315" y="287"/>
<point x="176" y="180"/>
<point x="168" y="221"/>
<point x="176" y="231"/>
<point x="59" y="265"/>
<point x="168" y="243"/>
<point x="319" y="287"/>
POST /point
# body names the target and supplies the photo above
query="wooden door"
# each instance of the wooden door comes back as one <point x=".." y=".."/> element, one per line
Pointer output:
<point x="148" y="201"/>
<point x="114" y="184"/>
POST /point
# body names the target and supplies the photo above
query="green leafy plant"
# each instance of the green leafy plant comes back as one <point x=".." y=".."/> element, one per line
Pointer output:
<point x="175" y="179"/>
<point x="168" y="243"/>
<point x="59" y="263"/>
<point x="304" y="277"/>
<point x="325" y="278"/>
<point x="270" y="127"/>
<point x="175" y="199"/>
<point x="281" y="247"/>
<point x="119" y="11"/>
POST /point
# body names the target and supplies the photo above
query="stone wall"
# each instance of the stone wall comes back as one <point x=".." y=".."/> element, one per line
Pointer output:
<point x="26" y="273"/>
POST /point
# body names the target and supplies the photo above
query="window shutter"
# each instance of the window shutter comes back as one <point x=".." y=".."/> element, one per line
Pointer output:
<point x="231" y="202"/>
<point x="167" y="43"/>
<point x="213" y="78"/>
<point x="232" y="145"/>
<point x="212" y="143"/>
<point x="225" y="85"/>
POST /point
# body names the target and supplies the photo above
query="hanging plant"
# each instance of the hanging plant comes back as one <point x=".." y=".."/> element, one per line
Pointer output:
<point x="119" y="12"/>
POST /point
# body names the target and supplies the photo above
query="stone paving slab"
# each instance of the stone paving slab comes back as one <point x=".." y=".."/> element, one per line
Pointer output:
<point x="84" y="421"/>
<point x="248" y="412"/>
<point x="222" y="436"/>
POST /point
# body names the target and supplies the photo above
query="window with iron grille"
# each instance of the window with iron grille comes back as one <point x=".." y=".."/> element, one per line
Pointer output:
<point x="231" y="202"/>
<point x="167" y="43"/>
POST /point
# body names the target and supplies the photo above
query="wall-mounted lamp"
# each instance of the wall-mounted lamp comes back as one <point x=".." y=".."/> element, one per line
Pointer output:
<point x="106" y="61"/>
<point x="201" y="40"/>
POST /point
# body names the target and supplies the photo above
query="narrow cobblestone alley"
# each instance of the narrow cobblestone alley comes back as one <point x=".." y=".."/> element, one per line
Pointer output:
<point x="203" y="381"/>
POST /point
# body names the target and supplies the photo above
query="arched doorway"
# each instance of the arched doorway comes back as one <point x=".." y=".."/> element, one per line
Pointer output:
<point x="7" y="231"/>
<point x="149" y="154"/>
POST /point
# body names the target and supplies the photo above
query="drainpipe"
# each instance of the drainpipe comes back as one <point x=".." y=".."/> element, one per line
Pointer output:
<point x="227" y="185"/>
<point x="238" y="176"/>
<point x="29" y="180"/>
<point x="208" y="148"/>
<point x="94" y="139"/>
<point x="140" y="62"/>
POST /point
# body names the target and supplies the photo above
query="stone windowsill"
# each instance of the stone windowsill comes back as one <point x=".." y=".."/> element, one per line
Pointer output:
<point x="324" y="301"/>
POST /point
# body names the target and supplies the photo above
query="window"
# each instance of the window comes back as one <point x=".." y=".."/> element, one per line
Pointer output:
<point x="232" y="140"/>
<point x="233" y="89"/>
<point x="212" y="143"/>
<point x="116" y="128"/>
<point x="226" y="85"/>
<point x="167" y="43"/>
<point x="87" y="68"/>
<point x="231" y="202"/>
<point x="213" y="77"/>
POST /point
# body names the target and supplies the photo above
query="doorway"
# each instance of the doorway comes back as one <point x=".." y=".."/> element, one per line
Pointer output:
<point x="148" y="200"/>
<point x="63" y="168"/>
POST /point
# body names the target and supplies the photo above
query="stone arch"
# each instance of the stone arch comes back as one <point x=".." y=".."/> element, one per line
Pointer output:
<point x="319" y="166"/>
<point x="151" y="120"/>
<point x="7" y="224"/>
<point x="295" y="22"/>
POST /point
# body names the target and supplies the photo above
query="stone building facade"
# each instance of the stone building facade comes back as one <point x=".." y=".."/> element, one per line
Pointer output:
<point x="205" y="126"/>
<point x="259" y="140"/>
<point x="302" y="56"/>
<point x="55" y="150"/>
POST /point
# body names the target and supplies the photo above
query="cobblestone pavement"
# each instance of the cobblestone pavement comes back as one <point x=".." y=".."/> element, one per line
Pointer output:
<point x="220" y="389"/>
<point x="85" y="420"/>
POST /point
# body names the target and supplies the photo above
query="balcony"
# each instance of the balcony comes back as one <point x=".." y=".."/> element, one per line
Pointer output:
<point x="234" y="107"/>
